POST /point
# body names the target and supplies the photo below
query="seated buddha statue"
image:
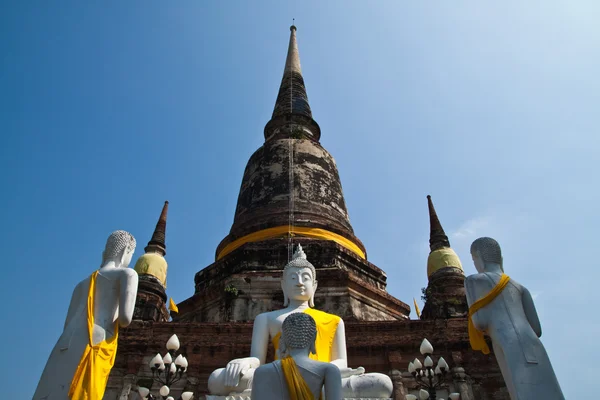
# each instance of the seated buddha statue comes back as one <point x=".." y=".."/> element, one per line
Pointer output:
<point x="296" y="375"/>
<point x="299" y="285"/>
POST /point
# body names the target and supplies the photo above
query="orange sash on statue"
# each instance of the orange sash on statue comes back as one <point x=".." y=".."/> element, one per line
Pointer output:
<point x="91" y="376"/>
<point x="326" y="327"/>
<point x="475" y="336"/>
<point x="296" y="384"/>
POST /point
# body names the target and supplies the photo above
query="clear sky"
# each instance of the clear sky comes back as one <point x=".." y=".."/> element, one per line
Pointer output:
<point x="109" y="108"/>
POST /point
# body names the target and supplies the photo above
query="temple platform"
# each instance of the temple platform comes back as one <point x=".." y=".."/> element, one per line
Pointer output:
<point x="378" y="346"/>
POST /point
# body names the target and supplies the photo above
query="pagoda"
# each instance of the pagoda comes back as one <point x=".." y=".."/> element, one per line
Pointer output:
<point x="291" y="194"/>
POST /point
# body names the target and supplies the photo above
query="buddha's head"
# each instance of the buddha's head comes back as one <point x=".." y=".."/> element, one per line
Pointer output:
<point x="484" y="251"/>
<point x="299" y="280"/>
<point x="120" y="246"/>
<point x="299" y="331"/>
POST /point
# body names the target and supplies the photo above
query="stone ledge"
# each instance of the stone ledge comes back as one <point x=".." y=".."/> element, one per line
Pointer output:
<point x="246" y="397"/>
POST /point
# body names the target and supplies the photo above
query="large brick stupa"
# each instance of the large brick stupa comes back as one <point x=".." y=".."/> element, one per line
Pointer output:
<point x="291" y="194"/>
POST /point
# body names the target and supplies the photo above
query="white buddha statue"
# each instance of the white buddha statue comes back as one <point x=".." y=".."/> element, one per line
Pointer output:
<point x="299" y="284"/>
<point x="81" y="359"/>
<point x="296" y="375"/>
<point x="504" y="310"/>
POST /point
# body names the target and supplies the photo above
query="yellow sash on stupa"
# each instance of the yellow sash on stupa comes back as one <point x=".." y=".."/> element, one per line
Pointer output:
<point x="296" y="384"/>
<point x="91" y="376"/>
<point x="475" y="336"/>
<point x="326" y="327"/>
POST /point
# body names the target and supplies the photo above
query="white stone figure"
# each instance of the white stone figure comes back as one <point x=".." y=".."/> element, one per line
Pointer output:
<point x="299" y="332"/>
<point x="298" y="284"/>
<point x="114" y="301"/>
<point x="512" y="323"/>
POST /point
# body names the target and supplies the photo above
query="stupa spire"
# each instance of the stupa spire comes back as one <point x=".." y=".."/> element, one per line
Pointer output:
<point x="157" y="243"/>
<point x="292" y="116"/>
<point x="445" y="290"/>
<point x="292" y="63"/>
<point x="437" y="236"/>
<point x="152" y="271"/>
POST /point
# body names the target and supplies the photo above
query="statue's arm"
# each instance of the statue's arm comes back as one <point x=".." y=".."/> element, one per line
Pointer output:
<point x="471" y="293"/>
<point x="339" y="356"/>
<point x="235" y="369"/>
<point x="333" y="383"/>
<point x="469" y="290"/>
<point x="531" y="313"/>
<point x="74" y="304"/>
<point x="128" y="293"/>
<point x="260" y="339"/>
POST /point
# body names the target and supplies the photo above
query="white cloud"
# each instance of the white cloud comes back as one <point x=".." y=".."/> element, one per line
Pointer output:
<point x="470" y="230"/>
<point x="464" y="235"/>
<point x="506" y="227"/>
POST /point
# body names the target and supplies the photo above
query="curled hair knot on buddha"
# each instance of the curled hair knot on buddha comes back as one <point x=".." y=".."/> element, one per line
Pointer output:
<point x="299" y="331"/>
<point x="488" y="249"/>
<point x="118" y="244"/>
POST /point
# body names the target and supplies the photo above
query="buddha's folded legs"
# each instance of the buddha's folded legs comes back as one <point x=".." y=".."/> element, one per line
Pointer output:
<point x="373" y="385"/>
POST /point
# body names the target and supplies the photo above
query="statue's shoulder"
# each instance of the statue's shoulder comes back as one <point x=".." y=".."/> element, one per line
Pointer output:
<point x="129" y="272"/>
<point x="322" y="316"/>
<point x="268" y="316"/>
<point x="267" y="368"/>
<point x="476" y="278"/>
<point x="330" y="368"/>
<point x="82" y="287"/>
<point x="314" y="311"/>
<point x="265" y="376"/>
<point x="125" y="273"/>
<point x="122" y="276"/>
<point x="476" y="283"/>
<point x="517" y="286"/>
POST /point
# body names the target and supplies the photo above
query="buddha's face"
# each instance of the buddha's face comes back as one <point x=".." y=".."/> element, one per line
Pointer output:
<point x="478" y="261"/>
<point x="298" y="284"/>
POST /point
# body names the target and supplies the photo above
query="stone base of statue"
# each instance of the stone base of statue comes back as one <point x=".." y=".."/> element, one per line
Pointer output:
<point x="228" y="397"/>
<point x="243" y="396"/>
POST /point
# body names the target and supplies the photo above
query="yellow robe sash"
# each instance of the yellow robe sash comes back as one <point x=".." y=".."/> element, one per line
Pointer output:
<point x="296" y="384"/>
<point x="475" y="336"/>
<point x="91" y="376"/>
<point x="284" y="231"/>
<point x="326" y="327"/>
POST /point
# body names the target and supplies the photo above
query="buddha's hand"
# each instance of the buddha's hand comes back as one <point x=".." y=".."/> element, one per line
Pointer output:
<point x="348" y="372"/>
<point x="237" y="368"/>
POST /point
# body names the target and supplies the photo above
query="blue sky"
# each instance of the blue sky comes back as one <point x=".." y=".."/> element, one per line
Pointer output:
<point x="110" y="108"/>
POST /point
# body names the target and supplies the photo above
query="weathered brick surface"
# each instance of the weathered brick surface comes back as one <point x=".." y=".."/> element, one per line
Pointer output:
<point x="150" y="302"/>
<point x="264" y="198"/>
<point x="246" y="283"/>
<point x="446" y="296"/>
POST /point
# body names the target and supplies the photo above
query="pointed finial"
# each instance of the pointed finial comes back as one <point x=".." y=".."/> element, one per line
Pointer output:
<point x="299" y="253"/>
<point x="292" y="62"/>
<point x="157" y="243"/>
<point x="437" y="236"/>
<point x="292" y="113"/>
